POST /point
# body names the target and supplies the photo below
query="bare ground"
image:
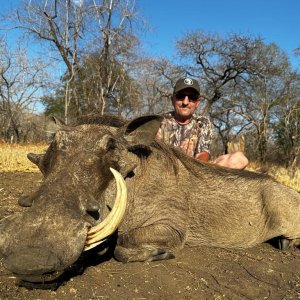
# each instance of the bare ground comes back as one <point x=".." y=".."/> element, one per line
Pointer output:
<point x="262" y="272"/>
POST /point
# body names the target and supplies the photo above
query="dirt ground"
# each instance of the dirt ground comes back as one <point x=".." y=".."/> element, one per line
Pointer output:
<point x="262" y="272"/>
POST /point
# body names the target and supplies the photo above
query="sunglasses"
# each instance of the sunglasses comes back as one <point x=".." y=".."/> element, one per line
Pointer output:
<point x="192" y="98"/>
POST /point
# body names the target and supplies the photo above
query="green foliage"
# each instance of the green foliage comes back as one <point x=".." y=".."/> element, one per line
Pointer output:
<point x="54" y="105"/>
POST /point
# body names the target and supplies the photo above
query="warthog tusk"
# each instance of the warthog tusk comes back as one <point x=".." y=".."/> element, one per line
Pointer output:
<point x="97" y="234"/>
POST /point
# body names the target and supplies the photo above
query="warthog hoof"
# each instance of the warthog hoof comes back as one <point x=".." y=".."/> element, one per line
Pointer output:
<point x="284" y="244"/>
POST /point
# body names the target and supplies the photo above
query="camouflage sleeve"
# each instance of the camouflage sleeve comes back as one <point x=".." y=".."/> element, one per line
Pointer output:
<point x="205" y="134"/>
<point x="163" y="129"/>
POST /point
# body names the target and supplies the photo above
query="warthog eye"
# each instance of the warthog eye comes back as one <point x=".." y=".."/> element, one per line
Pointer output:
<point x="140" y="150"/>
<point x="111" y="144"/>
<point x="130" y="174"/>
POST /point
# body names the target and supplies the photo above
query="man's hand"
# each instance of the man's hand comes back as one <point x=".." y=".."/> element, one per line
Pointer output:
<point x="204" y="156"/>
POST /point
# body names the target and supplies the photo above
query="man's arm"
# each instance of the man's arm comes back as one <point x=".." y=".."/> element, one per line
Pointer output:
<point x="204" y="136"/>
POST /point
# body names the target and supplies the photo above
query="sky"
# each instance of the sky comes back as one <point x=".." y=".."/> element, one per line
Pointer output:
<point x="275" y="21"/>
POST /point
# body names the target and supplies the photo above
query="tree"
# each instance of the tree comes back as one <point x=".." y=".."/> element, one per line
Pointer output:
<point x="106" y="83"/>
<point x="21" y="81"/>
<point x="242" y="79"/>
<point x="156" y="79"/>
<point x="287" y="125"/>
<point x="219" y="61"/>
<point x="71" y="27"/>
<point x="258" y="97"/>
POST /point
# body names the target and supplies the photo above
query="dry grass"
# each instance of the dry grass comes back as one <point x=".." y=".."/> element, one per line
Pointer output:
<point x="14" y="158"/>
<point x="281" y="174"/>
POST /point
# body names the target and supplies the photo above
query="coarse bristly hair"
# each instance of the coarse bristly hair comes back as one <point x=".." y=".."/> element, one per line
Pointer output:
<point x="172" y="155"/>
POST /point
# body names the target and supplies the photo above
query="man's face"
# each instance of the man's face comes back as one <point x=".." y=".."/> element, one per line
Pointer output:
<point x="185" y="103"/>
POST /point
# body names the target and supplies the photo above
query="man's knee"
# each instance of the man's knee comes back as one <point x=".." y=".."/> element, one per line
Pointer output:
<point x="236" y="160"/>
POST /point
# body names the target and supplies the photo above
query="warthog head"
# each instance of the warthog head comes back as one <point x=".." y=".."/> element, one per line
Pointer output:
<point x="68" y="214"/>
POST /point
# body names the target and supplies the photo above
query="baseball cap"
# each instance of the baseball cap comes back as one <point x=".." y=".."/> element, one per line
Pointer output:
<point x="184" y="83"/>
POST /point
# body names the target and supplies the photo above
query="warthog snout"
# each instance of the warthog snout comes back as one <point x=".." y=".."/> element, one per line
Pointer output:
<point x="34" y="264"/>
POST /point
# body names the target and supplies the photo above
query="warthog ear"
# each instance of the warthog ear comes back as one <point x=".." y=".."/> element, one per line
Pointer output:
<point x="142" y="130"/>
<point x="37" y="159"/>
<point x="53" y="125"/>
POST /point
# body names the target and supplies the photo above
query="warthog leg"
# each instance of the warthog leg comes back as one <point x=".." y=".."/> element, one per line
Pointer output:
<point x="149" y="243"/>
<point x="284" y="244"/>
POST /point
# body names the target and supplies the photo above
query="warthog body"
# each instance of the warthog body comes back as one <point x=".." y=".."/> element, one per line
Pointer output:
<point x="173" y="201"/>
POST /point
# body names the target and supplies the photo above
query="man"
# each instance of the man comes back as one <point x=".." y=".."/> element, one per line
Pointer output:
<point x="193" y="134"/>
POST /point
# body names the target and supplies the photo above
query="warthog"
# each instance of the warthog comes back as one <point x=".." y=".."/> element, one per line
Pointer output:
<point x="172" y="201"/>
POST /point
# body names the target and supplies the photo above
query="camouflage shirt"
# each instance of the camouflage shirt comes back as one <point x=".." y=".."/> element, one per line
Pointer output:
<point x="192" y="138"/>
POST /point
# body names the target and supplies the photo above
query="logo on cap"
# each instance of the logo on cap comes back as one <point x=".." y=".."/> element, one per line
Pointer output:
<point x="188" y="81"/>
